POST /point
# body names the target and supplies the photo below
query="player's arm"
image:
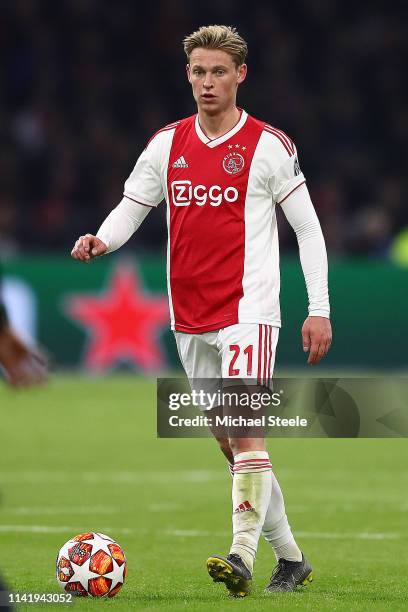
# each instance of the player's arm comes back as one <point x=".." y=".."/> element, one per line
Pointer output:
<point x="316" y="331"/>
<point x="143" y="191"/>
<point x="118" y="227"/>
<point x="286" y="183"/>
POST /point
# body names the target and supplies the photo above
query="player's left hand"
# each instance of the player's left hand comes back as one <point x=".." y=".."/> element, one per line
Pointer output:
<point x="317" y="338"/>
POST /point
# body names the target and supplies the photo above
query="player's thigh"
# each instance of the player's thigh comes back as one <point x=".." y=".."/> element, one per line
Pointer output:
<point x="199" y="354"/>
<point x="201" y="361"/>
<point x="248" y="352"/>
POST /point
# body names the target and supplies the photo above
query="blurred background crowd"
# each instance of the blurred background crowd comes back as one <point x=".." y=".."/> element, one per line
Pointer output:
<point x="84" y="84"/>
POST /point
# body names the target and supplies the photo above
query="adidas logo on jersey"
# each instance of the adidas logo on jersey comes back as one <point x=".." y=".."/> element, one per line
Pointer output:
<point x="180" y="163"/>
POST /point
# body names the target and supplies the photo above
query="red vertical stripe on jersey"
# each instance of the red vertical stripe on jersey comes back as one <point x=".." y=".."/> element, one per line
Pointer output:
<point x="207" y="225"/>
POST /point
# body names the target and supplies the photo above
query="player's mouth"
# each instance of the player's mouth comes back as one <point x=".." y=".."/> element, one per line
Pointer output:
<point x="208" y="97"/>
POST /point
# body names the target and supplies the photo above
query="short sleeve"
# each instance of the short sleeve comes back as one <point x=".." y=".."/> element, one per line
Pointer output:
<point x="286" y="178"/>
<point x="144" y="183"/>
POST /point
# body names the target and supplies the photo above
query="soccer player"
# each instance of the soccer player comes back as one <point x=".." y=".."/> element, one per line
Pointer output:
<point x="23" y="365"/>
<point x="222" y="174"/>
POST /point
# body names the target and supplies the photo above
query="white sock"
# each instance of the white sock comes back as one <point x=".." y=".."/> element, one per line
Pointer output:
<point x="251" y="492"/>
<point x="276" y="529"/>
<point x="231" y="469"/>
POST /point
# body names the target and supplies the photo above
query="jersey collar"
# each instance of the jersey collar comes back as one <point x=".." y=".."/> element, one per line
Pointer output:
<point x="217" y="141"/>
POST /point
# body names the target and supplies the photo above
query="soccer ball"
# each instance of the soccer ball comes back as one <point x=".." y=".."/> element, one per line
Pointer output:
<point x="91" y="564"/>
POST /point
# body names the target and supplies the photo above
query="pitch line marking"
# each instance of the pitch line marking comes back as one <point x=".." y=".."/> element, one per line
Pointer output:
<point x="57" y="510"/>
<point x="55" y="477"/>
<point x="61" y="529"/>
<point x="362" y="535"/>
<point x="193" y="533"/>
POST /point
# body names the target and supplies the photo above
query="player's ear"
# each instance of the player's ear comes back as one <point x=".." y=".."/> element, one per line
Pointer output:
<point x="242" y="72"/>
<point x="188" y="73"/>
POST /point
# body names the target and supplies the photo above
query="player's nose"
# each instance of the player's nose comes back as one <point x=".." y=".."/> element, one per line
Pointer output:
<point x="208" y="84"/>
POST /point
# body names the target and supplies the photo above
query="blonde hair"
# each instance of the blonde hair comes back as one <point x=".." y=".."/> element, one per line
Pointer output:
<point x="225" y="38"/>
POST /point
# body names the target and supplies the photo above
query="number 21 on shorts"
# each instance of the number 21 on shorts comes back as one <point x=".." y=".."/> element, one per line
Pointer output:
<point x="235" y="349"/>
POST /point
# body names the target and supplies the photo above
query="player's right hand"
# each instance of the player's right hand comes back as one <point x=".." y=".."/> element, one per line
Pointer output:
<point x="88" y="247"/>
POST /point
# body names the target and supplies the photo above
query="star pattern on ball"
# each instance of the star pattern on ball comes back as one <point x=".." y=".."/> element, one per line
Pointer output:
<point x="116" y="575"/>
<point x="123" y="323"/>
<point x="82" y="573"/>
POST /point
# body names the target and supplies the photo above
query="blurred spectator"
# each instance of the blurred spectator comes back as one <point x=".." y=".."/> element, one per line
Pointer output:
<point x="86" y="82"/>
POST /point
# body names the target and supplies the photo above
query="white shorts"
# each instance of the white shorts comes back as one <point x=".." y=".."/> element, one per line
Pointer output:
<point x="245" y="351"/>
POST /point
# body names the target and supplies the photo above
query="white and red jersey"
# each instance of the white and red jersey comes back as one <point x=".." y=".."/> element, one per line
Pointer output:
<point x="223" y="254"/>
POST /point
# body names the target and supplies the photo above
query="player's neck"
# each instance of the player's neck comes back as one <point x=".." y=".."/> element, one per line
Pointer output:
<point x="215" y="126"/>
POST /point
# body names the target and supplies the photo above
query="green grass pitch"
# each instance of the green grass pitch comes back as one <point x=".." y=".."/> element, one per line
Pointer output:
<point x="82" y="454"/>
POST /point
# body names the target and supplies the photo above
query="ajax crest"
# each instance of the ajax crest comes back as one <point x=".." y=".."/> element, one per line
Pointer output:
<point x="233" y="163"/>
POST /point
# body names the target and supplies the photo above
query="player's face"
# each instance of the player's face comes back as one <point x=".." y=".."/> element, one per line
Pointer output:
<point x="214" y="78"/>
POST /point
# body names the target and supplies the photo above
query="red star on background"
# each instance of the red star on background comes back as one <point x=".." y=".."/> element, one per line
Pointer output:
<point x="123" y="323"/>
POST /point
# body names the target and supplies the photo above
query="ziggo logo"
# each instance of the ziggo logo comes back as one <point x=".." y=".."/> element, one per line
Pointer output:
<point x="183" y="194"/>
